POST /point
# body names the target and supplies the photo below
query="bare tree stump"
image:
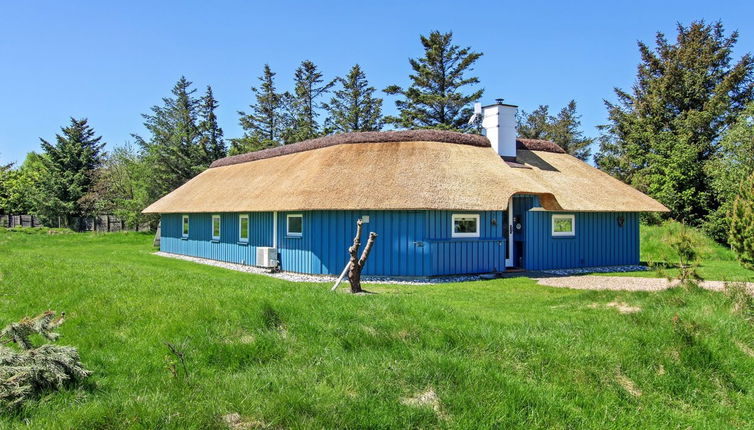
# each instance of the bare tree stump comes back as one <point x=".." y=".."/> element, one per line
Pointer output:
<point x="354" y="271"/>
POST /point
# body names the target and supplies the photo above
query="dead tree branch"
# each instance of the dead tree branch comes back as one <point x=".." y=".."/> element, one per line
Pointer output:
<point x="356" y="263"/>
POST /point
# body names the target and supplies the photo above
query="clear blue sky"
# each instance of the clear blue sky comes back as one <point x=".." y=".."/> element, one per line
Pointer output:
<point x="111" y="61"/>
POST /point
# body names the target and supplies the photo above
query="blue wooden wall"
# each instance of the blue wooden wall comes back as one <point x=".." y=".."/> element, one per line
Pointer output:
<point x="450" y="256"/>
<point x="599" y="241"/>
<point x="228" y="248"/>
<point x="323" y="247"/>
<point x="410" y="243"/>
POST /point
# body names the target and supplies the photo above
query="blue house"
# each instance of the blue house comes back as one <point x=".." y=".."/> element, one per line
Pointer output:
<point x="442" y="203"/>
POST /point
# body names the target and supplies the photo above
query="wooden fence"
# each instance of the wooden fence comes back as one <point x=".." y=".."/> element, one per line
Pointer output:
<point x="19" y="221"/>
<point x="99" y="223"/>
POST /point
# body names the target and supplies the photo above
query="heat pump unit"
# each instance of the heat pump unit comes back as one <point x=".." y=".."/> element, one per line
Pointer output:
<point x="267" y="257"/>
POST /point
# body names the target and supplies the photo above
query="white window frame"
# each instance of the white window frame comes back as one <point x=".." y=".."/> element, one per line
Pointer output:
<point x="219" y="227"/>
<point x="288" y="225"/>
<point x="241" y="217"/>
<point x="185" y="223"/>
<point x="462" y="235"/>
<point x="570" y="217"/>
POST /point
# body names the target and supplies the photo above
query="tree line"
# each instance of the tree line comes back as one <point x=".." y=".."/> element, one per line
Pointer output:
<point x="682" y="133"/>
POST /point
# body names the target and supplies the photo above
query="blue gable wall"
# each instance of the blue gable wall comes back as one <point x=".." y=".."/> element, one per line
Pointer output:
<point x="411" y="243"/>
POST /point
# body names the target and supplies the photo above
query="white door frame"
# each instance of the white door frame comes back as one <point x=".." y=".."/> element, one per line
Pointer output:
<point x="509" y="260"/>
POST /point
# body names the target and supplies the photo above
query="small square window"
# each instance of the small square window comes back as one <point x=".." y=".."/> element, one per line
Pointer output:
<point x="185" y="223"/>
<point x="243" y="228"/>
<point x="295" y="225"/>
<point x="215" y="227"/>
<point x="465" y="225"/>
<point x="563" y="225"/>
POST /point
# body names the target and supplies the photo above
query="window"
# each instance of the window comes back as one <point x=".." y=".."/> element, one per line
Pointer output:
<point x="243" y="228"/>
<point x="465" y="225"/>
<point x="185" y="223"/>
<point x="563" y="225"/>
<point x="215" y="227"/>
<point x="295" y="225"/>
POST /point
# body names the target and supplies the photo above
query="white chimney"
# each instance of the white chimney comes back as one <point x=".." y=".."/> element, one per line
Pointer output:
<point x="499" y="122"/>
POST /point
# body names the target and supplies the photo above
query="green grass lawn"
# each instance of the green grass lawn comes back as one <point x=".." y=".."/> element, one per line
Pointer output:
<point x="498" y="354"/>
<point x="718" y="263"/>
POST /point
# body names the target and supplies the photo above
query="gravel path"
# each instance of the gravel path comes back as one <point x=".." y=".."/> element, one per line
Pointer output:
<point x="626" y="283"/>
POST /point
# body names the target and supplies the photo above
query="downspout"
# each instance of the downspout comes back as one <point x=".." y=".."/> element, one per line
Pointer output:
<point x="510" y="233"/>
<point x="275" y="229"/>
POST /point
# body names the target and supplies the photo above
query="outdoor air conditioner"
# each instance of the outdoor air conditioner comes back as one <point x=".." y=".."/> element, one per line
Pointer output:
<point x="267" y="256"/>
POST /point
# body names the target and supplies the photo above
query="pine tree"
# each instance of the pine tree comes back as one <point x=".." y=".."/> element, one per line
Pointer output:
<point x="353" y="106"/>
<point x="534" y="125"/>
<point x="263" y="126"/>
<point x="211" y="134"/>
<point x="742" y="224"/>
<point x="662" y="134"/>
<point x="563" y="129"/>
<point x="69" y="165"/>
<point x="174" y="150"/>
<point x="436" y="97"/>
<point x="303" y="106"/>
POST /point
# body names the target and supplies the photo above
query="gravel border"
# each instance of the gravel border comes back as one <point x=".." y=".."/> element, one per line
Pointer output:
<point x="302" y="277"/>
<point x="602" y="269"/>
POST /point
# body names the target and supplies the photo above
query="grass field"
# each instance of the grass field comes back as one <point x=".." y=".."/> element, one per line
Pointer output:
<point x="718" y="262"/>
<point x="496" y="354"/>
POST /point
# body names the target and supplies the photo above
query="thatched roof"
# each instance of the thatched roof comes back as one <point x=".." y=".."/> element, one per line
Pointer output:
<point x="422" y="169"/>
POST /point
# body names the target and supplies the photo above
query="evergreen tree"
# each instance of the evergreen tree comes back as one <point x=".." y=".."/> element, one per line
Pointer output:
<point x="211" y="134"/>
<point x="742" y="224"/>
<point x="69" y="165"/>
<point x="661" y="135"/>
<point x="353" y="106"/>
<point x="563" y="129"/>
<point x="436" y="97"/>
<point x="534" y="125"/>
<point x="175" y="150"/>
<point x="303" y="106"/>
<point x="263" y="126"/>
<point x="730" y="167"/>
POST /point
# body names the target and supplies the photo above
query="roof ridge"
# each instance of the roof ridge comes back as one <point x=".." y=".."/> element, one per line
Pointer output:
<point x="445" y="136"/>
<point x="425" y="135"/>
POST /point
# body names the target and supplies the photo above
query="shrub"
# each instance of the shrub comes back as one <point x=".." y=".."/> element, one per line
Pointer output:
<point x="741" y="235"/>
<point x="686" y="247"/>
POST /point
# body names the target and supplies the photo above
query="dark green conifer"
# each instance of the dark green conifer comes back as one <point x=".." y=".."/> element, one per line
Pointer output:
<point x="437" y="96"/>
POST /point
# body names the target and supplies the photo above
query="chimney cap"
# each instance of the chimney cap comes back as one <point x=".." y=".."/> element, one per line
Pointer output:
<point x="499" y="102"/>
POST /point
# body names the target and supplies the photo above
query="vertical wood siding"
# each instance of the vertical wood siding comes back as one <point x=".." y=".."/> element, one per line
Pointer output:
<point x="450" y="256"/>
<point x="200" y="243"/>
<point x="599" y="241"/>
<point x="410" y="243"/>
<point x="323" y="248"/>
